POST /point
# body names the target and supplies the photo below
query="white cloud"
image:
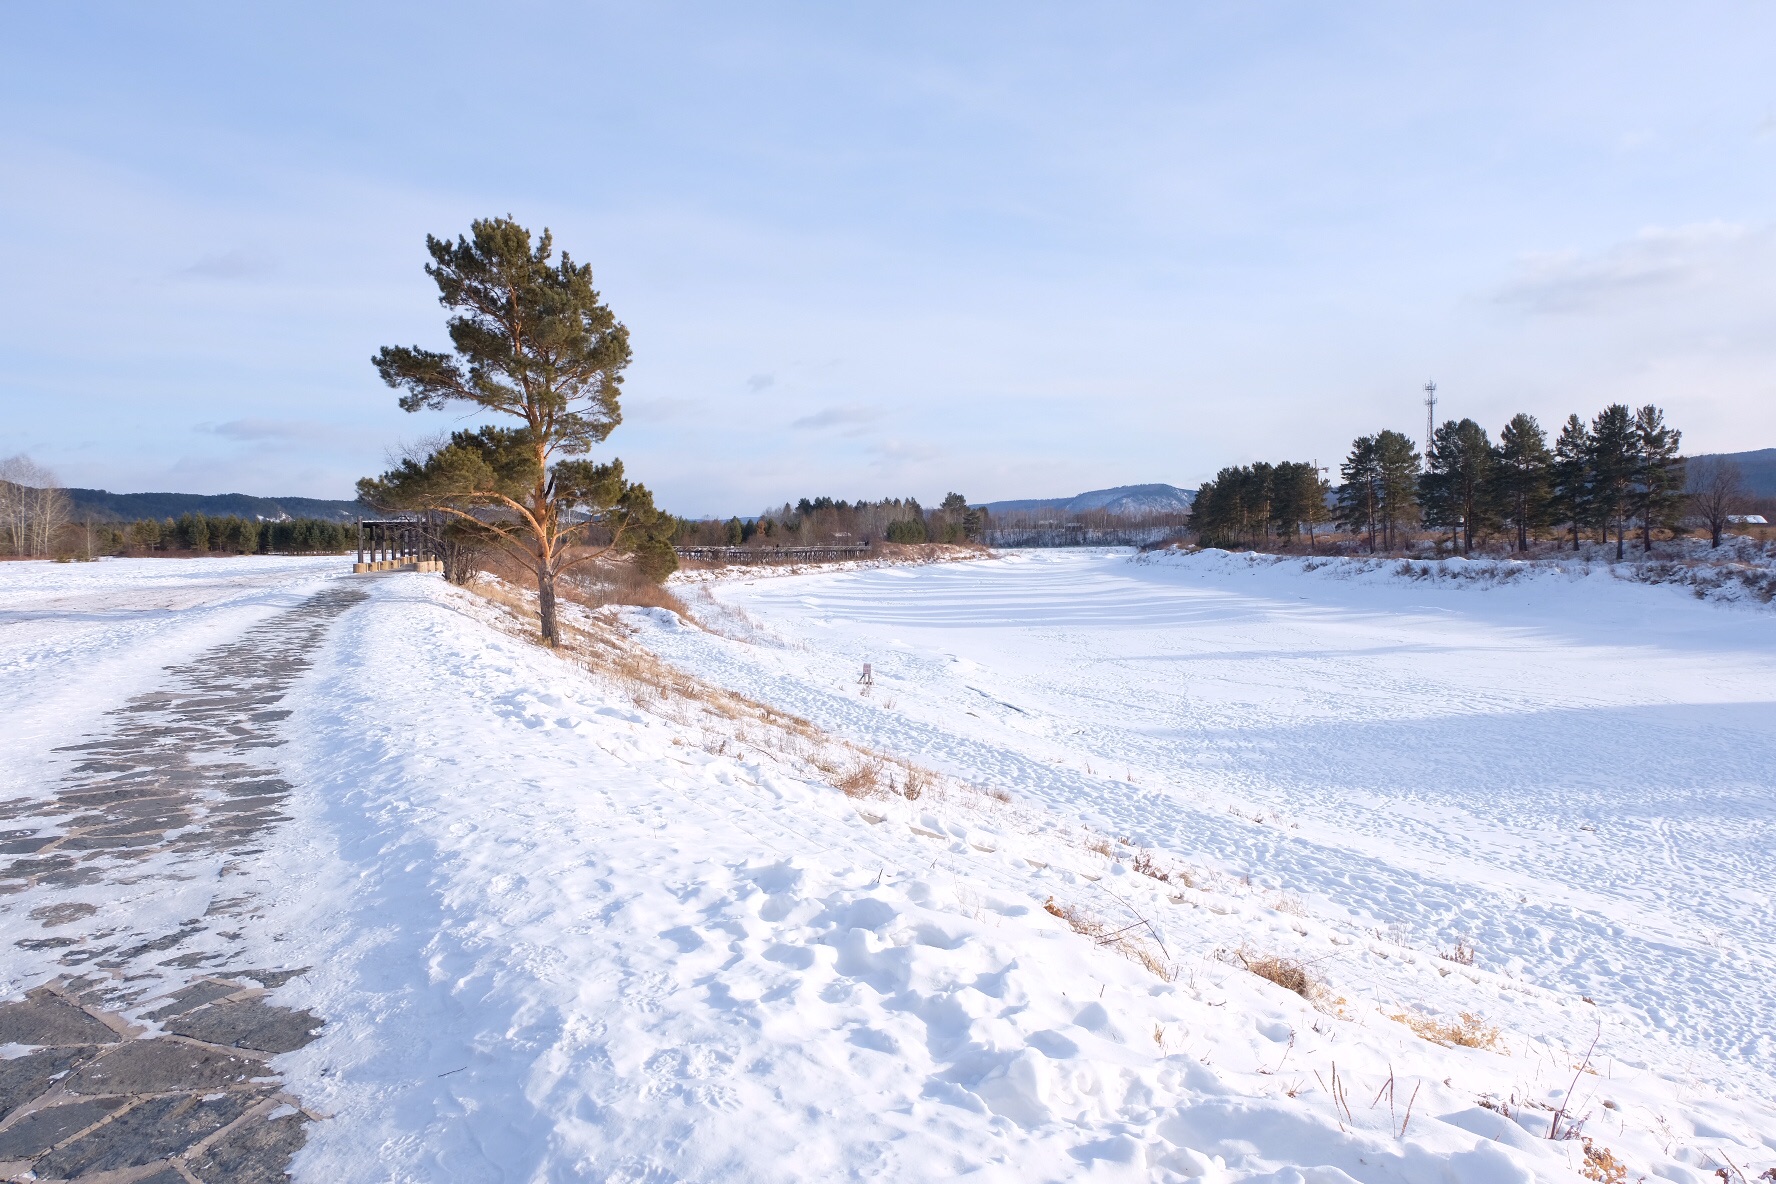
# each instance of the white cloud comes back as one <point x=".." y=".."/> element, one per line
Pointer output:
<point x="273" y="431"/>
<point x="851" y="415"/>
<point x="229" y="265"/>
<point x="893" y="456"/>
<point x="1657" y="262"/>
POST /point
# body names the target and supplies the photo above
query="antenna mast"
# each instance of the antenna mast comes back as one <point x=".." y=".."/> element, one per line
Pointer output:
<point x="1430" y="414"/>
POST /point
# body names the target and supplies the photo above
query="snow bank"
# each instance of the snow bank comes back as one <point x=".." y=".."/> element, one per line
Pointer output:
<point x="1740" y="571"/>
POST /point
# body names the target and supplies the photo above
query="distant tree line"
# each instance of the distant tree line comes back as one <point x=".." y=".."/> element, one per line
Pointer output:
<point x="206" y="534"/>
<point x="824" y="520"/>
<point x="1621" y="472"/>
<point x="1258" y="504"/>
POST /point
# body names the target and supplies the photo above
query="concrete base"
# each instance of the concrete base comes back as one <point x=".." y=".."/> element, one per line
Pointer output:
<point x="433" y="565"/>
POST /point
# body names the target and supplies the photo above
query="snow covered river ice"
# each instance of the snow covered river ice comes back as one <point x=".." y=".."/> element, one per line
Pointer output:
<point x="1576" y="776"/>
<point x="559" y="931"/>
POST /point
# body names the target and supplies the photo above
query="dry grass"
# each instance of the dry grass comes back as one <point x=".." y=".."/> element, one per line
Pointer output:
<point x="1144" y="864"/>
<point x="1293" y="905"/>
<point x="1602" y="1165"/>
<point x="605" y="583"/>
<point x="1462" y="954"/>
<point x="621" y="585"/>
<point x="1277" y="970"/>
<point x="862" y="780"/>
<point x="1286" y="973"/>
<point x="1136" y="941"/>
<point x="1101" y="846"/>
<point x="1470" y="1031"/>
<point x="730" y="723"/>
<point x="913" y="784"/>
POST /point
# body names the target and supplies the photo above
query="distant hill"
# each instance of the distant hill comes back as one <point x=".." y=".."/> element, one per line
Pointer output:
<point x="1124" y="499"/>
<point x="1758" y="469"/>
<point x="103" y="506"/>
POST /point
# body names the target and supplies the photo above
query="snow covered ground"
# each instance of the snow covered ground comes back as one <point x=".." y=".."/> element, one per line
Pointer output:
<point x="561" y="931"/>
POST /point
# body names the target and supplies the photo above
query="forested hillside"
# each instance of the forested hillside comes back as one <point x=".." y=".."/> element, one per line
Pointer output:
<point x="99" y="505"/>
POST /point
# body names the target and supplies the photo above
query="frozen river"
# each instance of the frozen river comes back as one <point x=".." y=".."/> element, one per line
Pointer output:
<point x="1576" y="775"/>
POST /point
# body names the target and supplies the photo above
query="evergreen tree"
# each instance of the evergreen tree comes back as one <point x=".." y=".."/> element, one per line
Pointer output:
<point x="1659" y="473"/>
<point x="907" y="530"/>
<point x="1396" y="460"/>
<point x="1317" y="508"/>
<point x="1457" y="480"/>
<point x="194" y="532"/>
<point x="1215" y="514"/>
<point x="1296" y="490"/>
<point x="1257" y="491"/>
<point x="532" y="342"/>
<point x="1615" y="465"/>
<point x="1522" y="477"/>
<point x="1360" y="496"/>
<point x="953" y="516"/>
<point x="1571" y="477"/>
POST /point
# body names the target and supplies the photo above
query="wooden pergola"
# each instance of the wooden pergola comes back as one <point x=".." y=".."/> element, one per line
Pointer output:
<point x="395" y="544"/>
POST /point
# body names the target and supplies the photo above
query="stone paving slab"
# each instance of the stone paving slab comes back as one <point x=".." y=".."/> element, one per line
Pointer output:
<point x="148" y="1132"/>
<point x="149" y="1050"/>
<point x="45" y="1018"/>
<point x="248" y="1024"/>
<point x="41" y="1130"/>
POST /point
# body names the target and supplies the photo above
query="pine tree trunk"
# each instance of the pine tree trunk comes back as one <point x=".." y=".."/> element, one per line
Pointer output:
<point x="546" y="602"/>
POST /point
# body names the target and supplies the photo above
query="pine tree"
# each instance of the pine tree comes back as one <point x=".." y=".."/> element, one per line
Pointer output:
<point x="1615" y="465"/>
<point x="1659" y="473"/>
<point x="1571" y="478"/>
<point x="1522" y="475"/>
<point x="1457" y="481"/>
<point x="1317" y="509"/>
<point x="532" y="342"/>
<point x="1288" y="499"/>
<point x="1256" y="494"/>
<point x="1397" y="460"/>
<point x="1360" y="496"/>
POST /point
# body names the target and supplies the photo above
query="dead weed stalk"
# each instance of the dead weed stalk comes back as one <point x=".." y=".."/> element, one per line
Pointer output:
<point x="1124" y="939"/>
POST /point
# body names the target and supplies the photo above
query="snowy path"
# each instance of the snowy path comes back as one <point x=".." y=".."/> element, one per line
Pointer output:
<point x="1576" y="776"/>
<point x="131" y="899"/>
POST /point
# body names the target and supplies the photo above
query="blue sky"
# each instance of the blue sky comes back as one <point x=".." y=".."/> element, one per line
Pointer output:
<point x="868" y="250"/>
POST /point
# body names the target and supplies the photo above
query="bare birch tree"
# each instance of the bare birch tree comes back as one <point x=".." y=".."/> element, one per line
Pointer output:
<point x="33" y="506"/>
